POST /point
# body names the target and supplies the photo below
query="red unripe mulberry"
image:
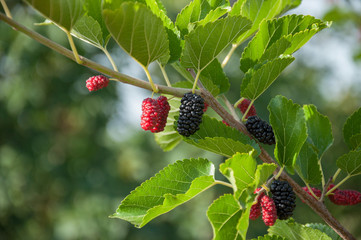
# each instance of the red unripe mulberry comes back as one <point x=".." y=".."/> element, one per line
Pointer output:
<point x="244" y="105"/>
<point x="269" y="212"/>
<point x="97" y="82"/>
<point x="345" y="197"/>
<point x="154" y="114"/>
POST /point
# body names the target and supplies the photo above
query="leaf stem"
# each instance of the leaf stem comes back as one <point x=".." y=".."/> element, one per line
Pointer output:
<point x="238" y="102"/>
<point x="246" y="112"/>
<point x="279" y="172"/>
<point x="195" y="81"/>
<point x="154" y="86"/>
<point x="223" y="183"/>
<point x="165" y="75"/>
<point x="231" y="51"/>
<point x="336" y="174"/>
<point x="105" y="50"/>
<point x="6" y="9"/>
<point x="337" y="185"/>
<point x="73" y="48"/>
<point x="310" y="190"/>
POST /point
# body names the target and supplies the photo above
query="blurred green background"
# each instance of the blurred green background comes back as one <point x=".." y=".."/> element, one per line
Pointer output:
<point x="68" y="157"/>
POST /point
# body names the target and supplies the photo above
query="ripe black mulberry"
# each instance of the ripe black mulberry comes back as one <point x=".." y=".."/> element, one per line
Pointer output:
<point x="261" y="130"/>
<point x="284" y="198"/>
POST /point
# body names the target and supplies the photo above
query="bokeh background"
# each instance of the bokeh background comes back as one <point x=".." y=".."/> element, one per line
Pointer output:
<point x="68" y="157"/>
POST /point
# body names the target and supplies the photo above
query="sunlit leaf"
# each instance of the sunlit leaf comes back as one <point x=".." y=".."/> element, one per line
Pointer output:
<point x="172" y="186"/>
<point x="350" y="163"/>
<point x="289" y="125"/>
<point x="64" y="13"/>
<point x="263" y="172"/>
<point x="224" y="214"/>
<point x="351" y="128"/>
<point x="138" y="31"/>
<point x="325" y="229"/>
<point x="204" y="44"/>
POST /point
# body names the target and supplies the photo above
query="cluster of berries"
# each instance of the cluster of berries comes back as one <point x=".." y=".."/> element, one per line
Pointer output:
<point x="280" y="205"/>
<point x="338" y="196"/>
<point x="154" y="114"/>
<point x="97" y="82"/>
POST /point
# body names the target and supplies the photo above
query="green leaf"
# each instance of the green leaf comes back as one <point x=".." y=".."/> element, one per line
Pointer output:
<point x="318" y="128"/>
<point x="243" y="222"/>
<point x="308" y="165"/>
<point x="350" y="163"/>
<point x="94" y="10"/>
<point x="259" y="10"/>
<point x="138" y="31"/>
<point x="257" y="80"/>
<point x="355" y="141"/>
<point x="352" y="127"/>
<point x="263" y="172"/>
<point x="170" y="138"/>
<point x="240" y="171"/>
<point x="64" y="13"/>
<point x="289" y="125"/>
<point x="284" y="35"/>
<point x="204" y="44"/>
<point x="215" y="136"/>
<point x="325" y="229"/>
<point x="294" y="231"/>
<point x="214" y="79"/>
<point x="172" y="186"/>
<point x="197" y="10"/>
<point x="175" y="47"/>
<point x="89" y="30"/>
<point x="224" y="214"/>
<point x="269" y="237"/>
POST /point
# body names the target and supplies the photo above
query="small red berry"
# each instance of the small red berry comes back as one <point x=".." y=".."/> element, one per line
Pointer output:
<point x="244" y="105"/>
<point x="256" y="208"/>
<point x="97" y="82"/>
<point x="269" y="212"/>
<point x="154" y="114"/>
<point x="345" y="197"/>
<point x="316" y="191"/>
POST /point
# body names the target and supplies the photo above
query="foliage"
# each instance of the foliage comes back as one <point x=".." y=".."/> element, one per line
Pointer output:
<point x="193" y="44"/>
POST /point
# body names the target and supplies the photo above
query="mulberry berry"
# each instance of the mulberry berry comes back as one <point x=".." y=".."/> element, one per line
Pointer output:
<point x="316" y="191"/>
<point x="97" y="82"/>
<point x="190" y="114"/>
<point x="256" y="208"/>
<point x="205" y="107"/>
<point x="345" y="197"/>
<point x="284" y="198"/>
<point x="154" y="114"/>
<point x="261" y="130"/>
<point x="243" y="106"/>
<point x="269" y="212"/>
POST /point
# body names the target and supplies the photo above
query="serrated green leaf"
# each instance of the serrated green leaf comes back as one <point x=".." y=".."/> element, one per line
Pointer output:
<point x="263" y="172"/>
<point x="325" y="229"/>
<point x="138" y="31"/>
<point x="355" y="141"/>
<point x="352" y="127"/>
<point x="284" y="35"/>
<point x="289" y="125"/>
<point x="257" y="80"/>
<point x="318" y="128"/>
<point x="216" y="137"/>
<point x="240" y="171"/>
<point x="308" y="165"/>
<point x="175" y="47"/>
<point x="94" y="10"/>
<point x="201" y="11"/>
<point x="89" y="30"/>
<point x="294" y="231"/>
<point x="350" y="163"/>
<point x="170" y="138"/>
<point x="172" y="186"/>
<point x="214" y="79"/>
<point x="204" y="44"/>
<point x="259" y="10"/>
<point x="269" y="237"/>
<point x="64" y="13"/>
<point x="224" y="214"/>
